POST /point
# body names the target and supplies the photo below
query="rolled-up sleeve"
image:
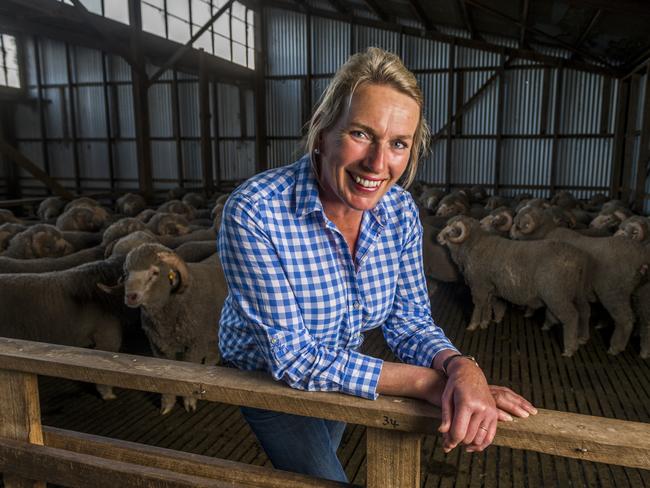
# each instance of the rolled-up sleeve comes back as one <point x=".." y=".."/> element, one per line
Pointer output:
<point x="410" y="331"/>
<point x="261" y="296"/>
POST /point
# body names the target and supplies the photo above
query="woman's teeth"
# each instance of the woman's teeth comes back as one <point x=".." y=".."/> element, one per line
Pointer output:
<point x="367" y="183"/>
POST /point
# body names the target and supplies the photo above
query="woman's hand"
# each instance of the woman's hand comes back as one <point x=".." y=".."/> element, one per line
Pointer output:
<point x="469" y="409"/>
<point x="510" y="403"/>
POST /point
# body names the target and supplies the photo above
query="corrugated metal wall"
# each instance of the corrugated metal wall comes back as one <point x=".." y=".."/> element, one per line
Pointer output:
<point x="579" y="156"/>
<point x="97" y="132"/>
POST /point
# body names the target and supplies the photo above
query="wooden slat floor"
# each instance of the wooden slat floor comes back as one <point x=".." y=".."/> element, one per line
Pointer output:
<point x="515" y="353"/>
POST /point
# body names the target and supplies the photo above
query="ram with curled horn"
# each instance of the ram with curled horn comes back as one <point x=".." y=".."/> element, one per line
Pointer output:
<point x="499" y="221"/>
<point x="523" y="273"/>
<point x="620" y="266"/>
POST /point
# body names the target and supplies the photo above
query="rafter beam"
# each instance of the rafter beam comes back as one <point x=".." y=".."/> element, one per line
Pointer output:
<point x="638" y="63"/>
<point x="340" y="6"/>
<point x="566" y="45"/>
<point x="628" y="7"/>
<point x="461" y="8"/>
<point x="376" y="7"/>
<point x="524" y="23"/>
<point x="584" y="35"/>
<point x="422" y="15"/>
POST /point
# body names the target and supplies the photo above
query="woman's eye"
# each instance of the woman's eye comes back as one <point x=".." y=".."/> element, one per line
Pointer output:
<point x="400" y="145"/>
<point x="358" y="133"/>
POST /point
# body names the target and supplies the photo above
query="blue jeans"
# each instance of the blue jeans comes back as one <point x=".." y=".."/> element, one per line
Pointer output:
<point x="300" y="444"/>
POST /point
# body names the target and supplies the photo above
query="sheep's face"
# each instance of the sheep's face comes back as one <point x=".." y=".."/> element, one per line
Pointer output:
<point x="609" y="220"/>
<point x="7" y="216"/>
<point x="146" y="215"/>
<point x="131" y="204"/>
<point x="634" y="228"/>
<point x="7" y="232"/>
<point x="121" y="228"/>
<point x="151" y="274"/>
<point x="498" y="221"/>
<point x="452" y="207"/>
<point x="457" y="231"/>
<point x="525" y="222"/>
<point x="170" y="225"/>
<point x="50" y="244"/>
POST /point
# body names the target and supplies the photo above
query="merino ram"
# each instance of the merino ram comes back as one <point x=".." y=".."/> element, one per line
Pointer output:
<point x="531" y="274"/>
<point x="180" y="305"/>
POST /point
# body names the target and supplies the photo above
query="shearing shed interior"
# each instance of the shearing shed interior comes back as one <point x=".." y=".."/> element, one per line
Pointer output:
<point x="127" y="123"/>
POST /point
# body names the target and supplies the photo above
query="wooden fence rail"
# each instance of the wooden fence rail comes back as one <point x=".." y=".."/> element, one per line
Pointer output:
<point x="29" y="451"/>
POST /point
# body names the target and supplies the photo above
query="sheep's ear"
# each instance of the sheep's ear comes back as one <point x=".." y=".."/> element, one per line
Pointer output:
<point x="181" y="279"/>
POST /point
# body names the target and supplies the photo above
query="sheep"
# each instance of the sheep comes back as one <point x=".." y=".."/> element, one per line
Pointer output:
<point x="620" y="266"/>
<point x="195" y="251"/>
<point x="122" y="246"/>
<point x="177" y="207"/>
<point x="146" y="215"/>
<point x="194" y="200"/>
<point x="43" y="265"/>
<point x="438" y="265"/>
<point x="121" y="228"/>
<point x="8" y="217"/>
<point x="7" y="232"/>
<point x="495" y="202"/>
<point x="38" y="241"/>
<point x="453" y="204"/>
<point x="86" y="202"/>
<point x="635" y="227"/>
<point x="130" y="204"/>
<point x="168" y="224"/>
<point x="610" y="218"/>
<point x="83" y="218"/>
<point x="50" y="208"/>
<point x="180" y="305"/>
<point x="499" y="221"/>
<point x="69" y="309"/>
<point x="531" y="274"/>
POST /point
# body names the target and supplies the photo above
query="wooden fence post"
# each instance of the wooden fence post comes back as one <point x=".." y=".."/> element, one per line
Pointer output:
<point x="393" y="459"/>
<point x="20" y="417"/>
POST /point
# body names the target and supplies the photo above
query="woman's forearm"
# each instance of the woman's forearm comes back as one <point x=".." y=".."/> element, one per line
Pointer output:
<point x="411" y="381"/>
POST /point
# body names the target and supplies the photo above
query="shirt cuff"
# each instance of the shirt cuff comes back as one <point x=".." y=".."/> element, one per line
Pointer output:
<point x="361" y="376"/>
<point x="429" y="349"/>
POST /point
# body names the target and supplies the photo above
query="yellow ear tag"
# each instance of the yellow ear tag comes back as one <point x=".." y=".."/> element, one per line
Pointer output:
<point x="171" y="277"/>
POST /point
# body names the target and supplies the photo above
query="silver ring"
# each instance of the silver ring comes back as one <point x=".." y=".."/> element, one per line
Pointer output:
<point x="481" y="427"/>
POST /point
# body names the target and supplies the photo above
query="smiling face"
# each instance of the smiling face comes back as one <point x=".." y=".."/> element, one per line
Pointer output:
<point x="367" y="150"/>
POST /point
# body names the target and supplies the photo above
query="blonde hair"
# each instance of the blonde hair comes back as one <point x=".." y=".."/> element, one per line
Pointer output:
<point x="374" y="66"/>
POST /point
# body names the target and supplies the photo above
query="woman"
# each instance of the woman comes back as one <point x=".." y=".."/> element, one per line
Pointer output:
<point x="317" y="252"/>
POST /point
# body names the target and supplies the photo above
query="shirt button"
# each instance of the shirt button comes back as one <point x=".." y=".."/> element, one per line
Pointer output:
<point x="356" y="305"/>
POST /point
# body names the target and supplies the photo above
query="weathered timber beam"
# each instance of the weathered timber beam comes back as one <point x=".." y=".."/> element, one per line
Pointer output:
<point x="339" y="6"/>
<point x="612" y="441"/>
<point x="21" y="160"/>
<point x="566" y="45"/>
<point x="468" y="104"/>
<point x="178" y="461"/>
<point x="188" y="45"/>
<point x="644" y="148"/>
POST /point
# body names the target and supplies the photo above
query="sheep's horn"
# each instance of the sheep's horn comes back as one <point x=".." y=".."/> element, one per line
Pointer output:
<point x="620" y="215"/>
<point x="117" y="289"/>
<point x="464" y="233"/>
<point x="639" y="228"/>
<point x="531" y="224"/>
<point x="179" y="265"/>
<point x="505" y="227"/>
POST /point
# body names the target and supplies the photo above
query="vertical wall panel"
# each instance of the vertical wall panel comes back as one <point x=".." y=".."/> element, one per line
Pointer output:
<point x="284" y="107"/>
<point x="481" y="118"/>
<point x="237" y="159"/>
<point x="584" y="162"/>
<point x="472" y="161"/>
<point x="188" y="101"/>
<point x="434" y="90"/>
<point x="526" y="162"/>
<point x="328" y="56"/>
<point x="422" y="53"/>
<point x="164" y="165"/>
<point x="160" y="110"/>
<point x="366" y="37"/>
<point x="91" y="117"/>
<point x="581" y="102"/>
<point x="522" y="101"/>
<point x="87" y="65"/>
<point x="287" y="37"/>
<point x="229" y="111"/>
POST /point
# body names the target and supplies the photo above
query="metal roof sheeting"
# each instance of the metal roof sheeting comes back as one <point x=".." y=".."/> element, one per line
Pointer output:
<point x="160" y="110"/>
<point x="581" y="102"/>
<point x="366" y="37"/>
<point x="281" y="153"/>
<point x="481" y="118"/>
<point x="237" y="159"/>
<point x="163" y="160"/>
<point x="432" y="168"/>
<point x="229" y="110"/>
<point x="584" y="162"/>
<point x="91" y="116"/>
<point x="434" y="90"/>
<point x="87" y="65"/>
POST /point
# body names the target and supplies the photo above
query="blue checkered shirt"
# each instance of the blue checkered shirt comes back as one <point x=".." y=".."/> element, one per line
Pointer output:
<point x="299" y="302"/>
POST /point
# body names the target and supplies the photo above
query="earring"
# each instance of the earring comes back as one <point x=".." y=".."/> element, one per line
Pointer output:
<point x="316" y="151"/>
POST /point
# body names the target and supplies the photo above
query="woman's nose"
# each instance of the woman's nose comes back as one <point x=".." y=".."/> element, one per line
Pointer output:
<point x="376" y="159"/>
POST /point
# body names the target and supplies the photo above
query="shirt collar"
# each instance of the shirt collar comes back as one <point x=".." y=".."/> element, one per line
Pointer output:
<point x="308" y="201"/>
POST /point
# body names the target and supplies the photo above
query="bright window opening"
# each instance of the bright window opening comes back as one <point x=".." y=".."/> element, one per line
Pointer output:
<point x="111" y="9"/>
<point x="9" y="74"/>
<point x="231" y="36"/>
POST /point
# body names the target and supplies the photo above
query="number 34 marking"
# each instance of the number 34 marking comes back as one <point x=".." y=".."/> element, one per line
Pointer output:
<point x="390" y="421"/>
